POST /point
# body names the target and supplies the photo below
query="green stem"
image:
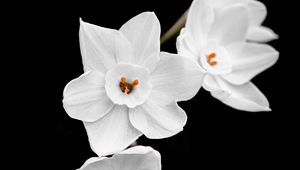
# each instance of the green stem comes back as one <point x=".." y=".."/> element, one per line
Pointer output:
<point x="174" y="30"/>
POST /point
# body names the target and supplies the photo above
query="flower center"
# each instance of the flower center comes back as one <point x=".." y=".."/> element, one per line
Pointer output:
<point x="127" y="87"/>
<point x="210" y="57"/>
<point x="128" y="84"/>
<point x="215" y="59"/>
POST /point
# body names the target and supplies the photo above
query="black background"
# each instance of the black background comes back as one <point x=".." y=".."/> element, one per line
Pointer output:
<point x="46" y="56"/>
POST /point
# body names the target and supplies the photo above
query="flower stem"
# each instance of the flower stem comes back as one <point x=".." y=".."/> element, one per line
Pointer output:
<point x="174" y="30"/>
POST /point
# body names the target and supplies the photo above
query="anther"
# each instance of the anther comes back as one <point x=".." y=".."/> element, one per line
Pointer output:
<point x="210" y="57"/>
<point x="135" y="82"/>
<point x="123" y="79"/>
<point x="127" y="87"/>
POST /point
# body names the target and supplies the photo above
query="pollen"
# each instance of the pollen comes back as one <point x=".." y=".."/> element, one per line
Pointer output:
<point x="127" y="87"/>
<point x="210" y="57"/>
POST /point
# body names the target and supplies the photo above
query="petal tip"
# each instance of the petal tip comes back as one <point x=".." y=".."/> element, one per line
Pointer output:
<point x="268" y="109"/>
<point x="81" y="21"/>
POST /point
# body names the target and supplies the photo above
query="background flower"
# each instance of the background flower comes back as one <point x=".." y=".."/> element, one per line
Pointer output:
<point x="135" y="158"/>
<point x="257" y="12"/>
<point x="129" y="87"/>
<point x="217" y="40"/>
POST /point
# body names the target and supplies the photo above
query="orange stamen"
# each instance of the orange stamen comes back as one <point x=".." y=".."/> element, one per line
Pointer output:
<point x="123" y="79"/>
<point x="210" y="57"/>
<point x="127" y="87"/>
<point x="135" y="82"/>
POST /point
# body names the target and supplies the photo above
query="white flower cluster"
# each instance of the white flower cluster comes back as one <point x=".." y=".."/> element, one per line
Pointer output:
<point x="129" y="88"/>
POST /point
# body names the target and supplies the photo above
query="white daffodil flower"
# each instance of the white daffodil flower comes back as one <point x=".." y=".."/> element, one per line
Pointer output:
<point x="257" y="14"/>
<point x="129" y="87"/>
<point x="216" y="40"/>
<point x="135" y="158"/>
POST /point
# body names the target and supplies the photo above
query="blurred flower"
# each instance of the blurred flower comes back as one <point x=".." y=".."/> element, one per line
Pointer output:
<point x="216" y="39"/>
<point x="257" y="14"/>
<point x="129" y="87"/>
<point x="136" y="158"/>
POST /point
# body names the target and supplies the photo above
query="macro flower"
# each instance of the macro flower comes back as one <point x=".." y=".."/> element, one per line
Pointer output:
<point x="129" y="87"/>
<point x="217" y="40"/>
<point x="257" y="12"/>
<point x="135" y="158"/>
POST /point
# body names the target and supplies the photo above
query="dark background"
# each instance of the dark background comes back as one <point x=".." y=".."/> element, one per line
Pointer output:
<point x="46" y="44"/>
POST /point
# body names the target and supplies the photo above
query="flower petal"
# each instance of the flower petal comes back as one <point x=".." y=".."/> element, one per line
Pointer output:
<point x="209" y="83"/>
<point x="177" y="76"/>
<point x="85" y="97"/>
<point x="199" y="20"/>
<point x="138" y="157"/>
<point x="257" y="12"/>
<point x="248" y="60"/>
<point x="246" y="97"/>
<point x="96" y="163"/>
<point x="143" y="32"/>
<point x="101" y="47"/>
<point x="159" y="117"/>
<point x="112" y="133"/>
<point x="185" y="47"/>
<point x="230" y="25"/>
<point x="261" y="34"/>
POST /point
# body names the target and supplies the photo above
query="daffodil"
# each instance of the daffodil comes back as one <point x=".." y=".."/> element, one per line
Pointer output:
<point x="135" y="158"/>
<point x="129" y="87"/>
<point x="257" y="13"/>
<point x="216" y="38"/>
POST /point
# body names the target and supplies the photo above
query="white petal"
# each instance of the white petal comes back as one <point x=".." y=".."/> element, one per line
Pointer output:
<point x="112" y="133"/>
<point x="123" y="49"/>
<point x="138" y="150"/>
<point x="159" y="117"/>
<point x="226" y="3"/>
<point x="96" y="163"/>
<point x="257" y="12"/>
<point x="230" y="25"/>
<point x="246" y="97"/>
<point x="101" y="47"/>
<point x="248" y="60"/>
<point x="177" y="76"/>
<point x="138" y="158"/>
<point x="85" y="97"/>
<point x="143" y="31"/>
<point x="209" y="83"/>
<point x="185" y="46"/>
<point x="199" y="20"/>
<point x="261" y="34"/>
<point x="135" y="158"/>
